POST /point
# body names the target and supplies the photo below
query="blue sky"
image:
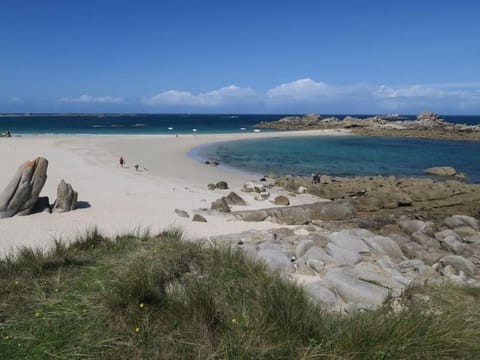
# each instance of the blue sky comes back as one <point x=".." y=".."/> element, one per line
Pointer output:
<point x="240" y="56"/>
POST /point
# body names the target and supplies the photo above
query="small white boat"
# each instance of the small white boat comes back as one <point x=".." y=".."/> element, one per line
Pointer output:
<point x="170" y="128"/>
<point x="243" y="129"/>
<point x="194" y="130"/>
<point x="256" y="130"/>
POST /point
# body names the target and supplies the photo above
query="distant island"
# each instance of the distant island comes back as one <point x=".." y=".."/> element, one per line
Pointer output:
<point x="67" y="114"/>
<point x="427" y="125"/>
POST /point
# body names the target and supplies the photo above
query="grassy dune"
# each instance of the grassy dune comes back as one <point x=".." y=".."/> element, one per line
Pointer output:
<point x="158" y="297"/>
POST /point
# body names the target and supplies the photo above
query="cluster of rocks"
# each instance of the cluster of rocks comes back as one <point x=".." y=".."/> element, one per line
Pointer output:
<point x="353" y="268"/>
<point x="221" y="205"/>
<point x="22" y="194"/>
<point x="366" y="241"/>
<point x="211" y="162"/>
<point x="426" y="125"/>
<point x="379" y="195"/>
<point x="221" y="185"/>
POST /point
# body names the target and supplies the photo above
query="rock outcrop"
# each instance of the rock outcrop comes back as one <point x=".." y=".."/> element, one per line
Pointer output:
<point x="426" y="125"/>
<point x="380" y="194"/>
<point x="21" y="194"/>
<point x="299" y="214"/>
<point x="353" y="269"/>
<point x="66" y="198"/>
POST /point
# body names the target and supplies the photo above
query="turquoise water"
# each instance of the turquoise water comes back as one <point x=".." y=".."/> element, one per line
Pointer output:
<point x="346" y="156"/>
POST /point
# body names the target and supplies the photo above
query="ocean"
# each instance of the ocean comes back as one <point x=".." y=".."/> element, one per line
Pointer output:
<point x="345" y="156"/>
<point x="337" y="156"/>
<point x="105" y="124"/>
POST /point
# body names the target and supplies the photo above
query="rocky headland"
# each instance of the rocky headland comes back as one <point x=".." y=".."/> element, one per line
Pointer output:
<point x="427" y="125"/>
<point x="366" y="239"/>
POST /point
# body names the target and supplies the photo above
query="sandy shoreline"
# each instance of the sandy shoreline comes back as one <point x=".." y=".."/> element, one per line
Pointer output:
<point x="119" y="200"/>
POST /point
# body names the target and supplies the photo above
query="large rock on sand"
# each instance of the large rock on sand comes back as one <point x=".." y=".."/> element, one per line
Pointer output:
<point x="234" y="199"/>
<point x="21" y="194"/>
<point x="220" y="205"/>
<point x="281" y="200"/>
<point x="66" y="198"/>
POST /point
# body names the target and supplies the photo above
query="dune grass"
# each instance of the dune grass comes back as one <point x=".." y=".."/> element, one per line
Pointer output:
<point x="159" y="297"/>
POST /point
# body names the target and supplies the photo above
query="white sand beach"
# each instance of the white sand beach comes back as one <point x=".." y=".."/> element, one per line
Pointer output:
<point x="119" y="200"/>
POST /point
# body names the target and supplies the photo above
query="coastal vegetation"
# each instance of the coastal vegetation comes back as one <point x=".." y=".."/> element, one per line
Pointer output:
<point x="144" y="296"/>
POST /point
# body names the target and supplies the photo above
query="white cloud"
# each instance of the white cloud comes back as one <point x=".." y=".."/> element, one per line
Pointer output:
<point x="411" y="91"/>
<point x="306" y="95"/>
<point x="224" y="96"/>
<point x="86" y="99"/>
<point x="302" y="89"/>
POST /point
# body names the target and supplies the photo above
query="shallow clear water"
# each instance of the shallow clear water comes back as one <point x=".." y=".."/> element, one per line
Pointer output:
<point x="346" y="155"/>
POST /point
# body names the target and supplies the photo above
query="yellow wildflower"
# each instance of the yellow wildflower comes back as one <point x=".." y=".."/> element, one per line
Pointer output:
<point x="234" y="320"/>
<point x="137" y="329"/>
<point x="142" y="305"/>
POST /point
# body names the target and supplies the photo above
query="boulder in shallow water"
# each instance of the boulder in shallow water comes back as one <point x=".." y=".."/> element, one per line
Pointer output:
<point x="66" y="198"/>
<point x="21" y="194"/>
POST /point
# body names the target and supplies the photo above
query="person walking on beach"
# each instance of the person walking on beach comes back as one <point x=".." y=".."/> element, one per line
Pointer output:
<point x="122" y="161"/>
